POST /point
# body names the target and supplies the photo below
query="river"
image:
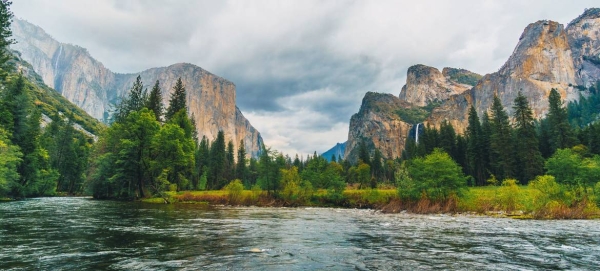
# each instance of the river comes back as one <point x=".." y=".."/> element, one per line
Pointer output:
<point x="85" y="234"/>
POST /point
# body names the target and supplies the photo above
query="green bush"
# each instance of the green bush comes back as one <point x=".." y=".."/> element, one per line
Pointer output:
<point x="508" y="196"/>
<point x="234" y="191"/>
<point x="436" y="175"/>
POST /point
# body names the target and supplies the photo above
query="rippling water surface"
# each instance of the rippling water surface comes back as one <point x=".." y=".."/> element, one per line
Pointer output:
<point x="84" y="234"/>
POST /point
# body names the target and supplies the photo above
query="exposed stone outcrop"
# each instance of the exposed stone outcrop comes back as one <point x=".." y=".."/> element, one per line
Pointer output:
<point x="426" y="84"/>
<point x="378" y="125"/>
<point x="584" y="40"/>
<point x="87" y="83"/>
<point x="541" y="61"/>
<point x="547" y="56"/>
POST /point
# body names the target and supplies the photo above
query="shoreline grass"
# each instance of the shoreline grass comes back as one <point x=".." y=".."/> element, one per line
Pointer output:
<point x="520" y="202"/>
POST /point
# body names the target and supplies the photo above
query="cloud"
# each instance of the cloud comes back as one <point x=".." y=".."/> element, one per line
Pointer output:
<point x="301" y="67"/>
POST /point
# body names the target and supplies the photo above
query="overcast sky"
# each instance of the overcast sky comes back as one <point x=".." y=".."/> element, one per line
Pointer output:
<point x="301" y="67"/>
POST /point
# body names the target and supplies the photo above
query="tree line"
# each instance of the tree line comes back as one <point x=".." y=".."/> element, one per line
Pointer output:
<point x="34" y="161"/>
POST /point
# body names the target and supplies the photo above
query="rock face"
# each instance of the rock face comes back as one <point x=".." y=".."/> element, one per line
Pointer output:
<point x="87" y="83"/>
<point x="337" y="151"/>
<point x="584" y="39"/>
<point x="547" y="56"/>
<point x="426" y="84"/>
<point x="378" y="125"/>
<point x="542" y="60"/>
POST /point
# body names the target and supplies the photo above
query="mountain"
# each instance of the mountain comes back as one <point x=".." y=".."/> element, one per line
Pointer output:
<point x="337" y="151"/>
<point x="51" y="102"/>
<point x="547" y="56"/>
<point x="426" y="84"/>
<point x="81" y="79"/>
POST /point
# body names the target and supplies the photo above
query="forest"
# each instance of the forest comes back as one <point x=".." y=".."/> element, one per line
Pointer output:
<point x="548" y="167"/>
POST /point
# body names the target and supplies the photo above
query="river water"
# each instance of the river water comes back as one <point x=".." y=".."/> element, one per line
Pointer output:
<point x="85" y="234"/>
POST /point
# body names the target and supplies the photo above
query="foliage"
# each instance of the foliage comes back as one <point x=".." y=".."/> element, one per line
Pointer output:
<point x="570" y="168"/>
<point x="10" y="157"/>
<point x="436" y="175"/>
<point x="234" y="191"/>
<point x="416" y="114"/>
<point x="509" y="195"/>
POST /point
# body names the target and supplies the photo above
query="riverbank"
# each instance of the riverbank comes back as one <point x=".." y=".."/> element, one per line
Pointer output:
<point x="521" y="202"/>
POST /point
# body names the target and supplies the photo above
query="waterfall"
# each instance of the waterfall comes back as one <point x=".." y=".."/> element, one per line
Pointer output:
<point x="57" y="58"/>
<point x="417" y="133"/>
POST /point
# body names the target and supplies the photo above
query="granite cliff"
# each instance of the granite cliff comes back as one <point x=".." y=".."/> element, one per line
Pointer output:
<point x="426" y="84"/>
<point x="87" y="83"/>
<point x="547" y="56"/>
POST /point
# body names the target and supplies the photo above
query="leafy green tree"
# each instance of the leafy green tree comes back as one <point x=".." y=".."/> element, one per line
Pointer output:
<point x="570" y="168"/>
<point x="437" y="175"/>
<point x="154" y="101"/>
<point x="133" y="161"/>
<point x="561" y="133"/>
<point x="177" y="101"/>
<point x="363" y="174"/>
<point x="173" y="153"/>
<point x="10" y="157"/>
<point x="501" y="158"/>
<point x="68" y="150"/>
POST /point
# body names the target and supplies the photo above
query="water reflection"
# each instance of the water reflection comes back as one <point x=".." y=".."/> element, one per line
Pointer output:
<point x="83" y="234"/>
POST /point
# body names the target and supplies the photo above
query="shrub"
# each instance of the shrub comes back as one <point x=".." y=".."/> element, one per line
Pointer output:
<point x="234" y="191"/>
<point x="437" y="175"/>
<point x="508" y="195"/>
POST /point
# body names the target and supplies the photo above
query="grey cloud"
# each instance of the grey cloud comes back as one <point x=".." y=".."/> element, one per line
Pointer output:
<point x="301" y="67"/>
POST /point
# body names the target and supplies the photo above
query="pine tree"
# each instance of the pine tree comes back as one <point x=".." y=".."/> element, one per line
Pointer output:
<point x="363" y="153"/>
<point x="475" y="154"/>
<point x="177" y="101"/>
<point x="240" y="167"/>
<point x="501" y="142"/>
<point x="155" y="101"/>
<point x="135" y="101"/>
<point x="447" y="139"/>
<point x="528" y="156"/>
<point x="5" y="37"/>
<point x="561" y="133"/>
<point x="218" y="159"/>
<point x="230" y="163"/>
<point x="377" y="167"/>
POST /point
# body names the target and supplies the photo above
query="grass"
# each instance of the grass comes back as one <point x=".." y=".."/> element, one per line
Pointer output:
<point x="514" y="201"/>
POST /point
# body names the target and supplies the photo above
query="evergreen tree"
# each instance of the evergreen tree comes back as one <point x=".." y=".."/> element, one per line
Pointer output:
<point x="155" y="101"/>
<point x="363" y="153"/>
<point x="377" y="168"/>
<point x="241" y="169"/>
<point x="177" y="101"/>
<point x="501" y="157"/>
<point x="135" y="101"/>
<point x="447" y="139"/>
<point x="475" y="155"/>
<point x="561" y="133"/>
<point x="230" y="164"/>
<point x="5" y="37"/>
<point x="218" y="160"/>
<point x="528" y="156"/>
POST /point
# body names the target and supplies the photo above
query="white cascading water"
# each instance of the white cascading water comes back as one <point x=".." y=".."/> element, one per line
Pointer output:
<point x="417" y="133"/>
<point x="57" y="58"/>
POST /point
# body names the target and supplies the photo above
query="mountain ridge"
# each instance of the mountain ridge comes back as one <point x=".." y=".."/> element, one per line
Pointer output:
<point x="86" y="82"/>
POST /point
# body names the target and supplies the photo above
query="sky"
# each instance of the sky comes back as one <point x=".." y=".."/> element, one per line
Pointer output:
<point x="302" y="67"/>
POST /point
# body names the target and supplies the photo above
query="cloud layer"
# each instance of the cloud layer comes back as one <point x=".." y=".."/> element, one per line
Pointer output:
<point x="301" y="67"/>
